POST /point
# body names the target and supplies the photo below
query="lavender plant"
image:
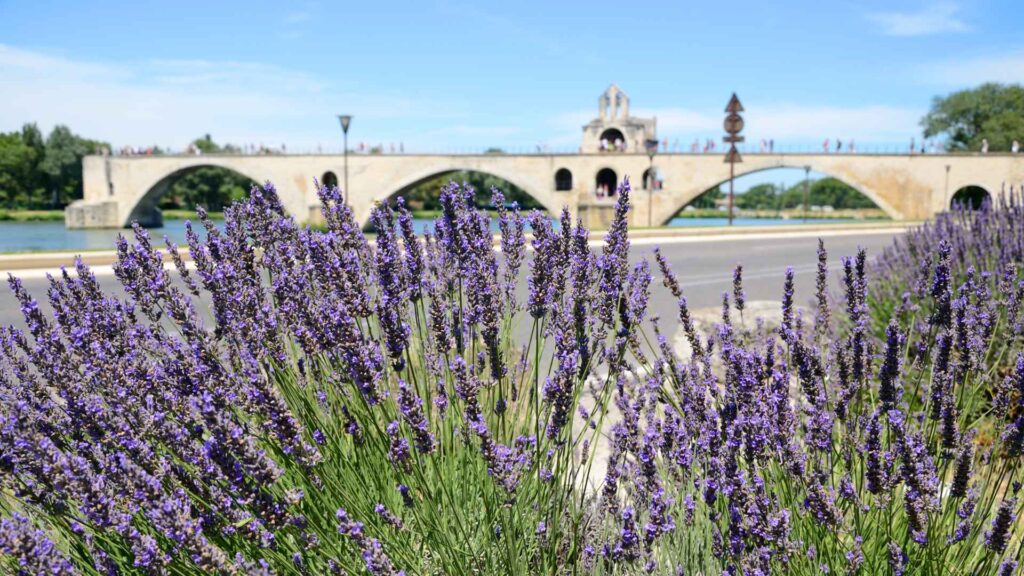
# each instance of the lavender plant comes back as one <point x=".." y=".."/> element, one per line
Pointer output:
<point x="400" y="407"/>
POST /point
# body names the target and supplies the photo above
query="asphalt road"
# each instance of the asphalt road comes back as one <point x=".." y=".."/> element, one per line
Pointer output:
<point x="704" y="268"/>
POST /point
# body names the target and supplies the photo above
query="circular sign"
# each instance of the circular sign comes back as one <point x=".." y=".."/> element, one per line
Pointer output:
<point x="733" y="123"/>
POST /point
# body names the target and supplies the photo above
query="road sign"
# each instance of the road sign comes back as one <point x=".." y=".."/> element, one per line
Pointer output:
<point x="733" y="155"/>
<point x="734" y="105"/>
<point x="732" y="138"/>
<point x="733" y="123"/>
<point x="733" y="126"/>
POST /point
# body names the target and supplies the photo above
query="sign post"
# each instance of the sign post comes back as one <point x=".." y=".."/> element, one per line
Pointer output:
<point x="345" y="120"/>
<point x="733" y="126"/>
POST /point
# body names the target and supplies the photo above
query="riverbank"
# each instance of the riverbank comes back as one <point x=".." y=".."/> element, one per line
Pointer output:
<point x="183" y="214"/>
<point x="31" y="215"/>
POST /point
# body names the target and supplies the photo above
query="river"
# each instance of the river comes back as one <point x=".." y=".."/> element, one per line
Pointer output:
<point x="53" y="236"/>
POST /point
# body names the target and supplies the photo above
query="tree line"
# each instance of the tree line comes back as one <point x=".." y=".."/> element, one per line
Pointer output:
<point x="426" y="195"/>
<point x="42" y="173"/>
<point x="823" y="192"/>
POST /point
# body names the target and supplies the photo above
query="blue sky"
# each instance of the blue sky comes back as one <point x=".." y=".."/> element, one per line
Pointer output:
<point x="440" y="76"/>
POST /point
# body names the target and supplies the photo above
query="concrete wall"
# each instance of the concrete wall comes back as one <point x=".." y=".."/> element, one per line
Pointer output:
<point x="120" y="189"/>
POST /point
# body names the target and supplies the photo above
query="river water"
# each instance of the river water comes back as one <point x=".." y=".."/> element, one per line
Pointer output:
<point x="53" y="236"/>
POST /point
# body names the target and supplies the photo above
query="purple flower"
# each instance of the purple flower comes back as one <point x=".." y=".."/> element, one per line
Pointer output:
<point x="399" y="452"/>
<point x="411" y="407"/>
<point x="393" y="296"/>
<point x="897" y="559"/>
<point x="377" y="562"/>
<point x="626" y="548"/>
<point x="999" y="535"/>
<point x="614" y="259"/>
<point x="33" y="551"/>
<point x="739" y="298"/>
<point x="889" y="375"/>
<point x="787" y="304"/>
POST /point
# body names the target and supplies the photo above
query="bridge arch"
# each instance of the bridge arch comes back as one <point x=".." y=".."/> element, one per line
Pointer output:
<point x="146" y="210"/>
<point x="971" y="197"/>
<point x="548" y="201"/>
<point x="680" y="201"/>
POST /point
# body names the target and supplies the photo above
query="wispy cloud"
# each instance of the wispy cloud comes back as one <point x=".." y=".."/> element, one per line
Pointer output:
<point x="297" y="17"/>
<point x="872" y="123"/>
<point x="682" y="120"/>
<point x="934" y="18"/>
<point x="296" y="22"/>
<point x="1005" y="68"/>
<point x="170" y="102"/>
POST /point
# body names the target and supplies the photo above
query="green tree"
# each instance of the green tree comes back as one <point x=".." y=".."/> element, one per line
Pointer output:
<point x="17" y="165"/>
<point x="826" y="192"/>
<point x="206" y="145"/>
<point x="36" y="181"/>
<point x="211" y="187"/>
<point x="425" y="196"/>
<point x="991" y="111"/>
<point x="760" y="197"/>
<point x="707" y="200"/>
<point x="62" y="164"/>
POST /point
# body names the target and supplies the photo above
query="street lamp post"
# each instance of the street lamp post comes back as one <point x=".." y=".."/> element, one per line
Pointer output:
<point x="652" y="148"/>
<point x="345" y="120"/>
<point x="945" y="194"/>
<point x="807" y="191"/>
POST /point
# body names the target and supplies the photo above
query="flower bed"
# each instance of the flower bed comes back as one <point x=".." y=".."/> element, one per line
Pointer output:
<point x="405" y="408"/>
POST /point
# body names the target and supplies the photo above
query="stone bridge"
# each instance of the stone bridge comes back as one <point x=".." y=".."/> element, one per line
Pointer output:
<point x="120" y="190"/>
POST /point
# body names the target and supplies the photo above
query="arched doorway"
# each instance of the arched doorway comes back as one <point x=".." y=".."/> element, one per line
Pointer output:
<point x="970" y="198"/>
<point x="612" y="139"/>
<point x="606" y="183"/>
<point x="329" y="179"/>
<point x="563" y="180"/>
<point x="651" y="179"/>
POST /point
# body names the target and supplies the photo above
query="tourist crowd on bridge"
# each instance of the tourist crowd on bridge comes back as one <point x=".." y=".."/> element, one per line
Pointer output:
<point x="708" y="146"/>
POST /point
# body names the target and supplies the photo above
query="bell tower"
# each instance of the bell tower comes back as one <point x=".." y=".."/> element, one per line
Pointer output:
<point x="614" y="130"/>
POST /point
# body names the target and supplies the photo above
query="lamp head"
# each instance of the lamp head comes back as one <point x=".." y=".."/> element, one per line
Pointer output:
<point x="651" y="145"/>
